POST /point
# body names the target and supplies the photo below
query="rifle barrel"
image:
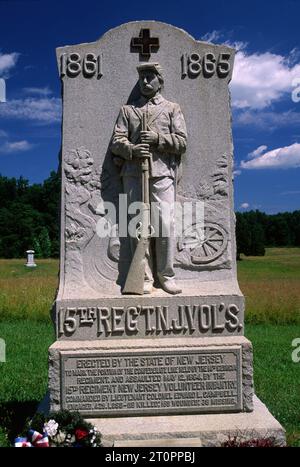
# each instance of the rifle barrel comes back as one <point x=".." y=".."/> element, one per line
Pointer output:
<point x="145" y="167"/>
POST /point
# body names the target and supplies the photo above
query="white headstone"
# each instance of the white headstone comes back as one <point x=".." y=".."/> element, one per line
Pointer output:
<point x="30" y="259"/>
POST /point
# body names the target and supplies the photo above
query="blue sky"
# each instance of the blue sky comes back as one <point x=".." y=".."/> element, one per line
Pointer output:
<point x="266" y="120"/>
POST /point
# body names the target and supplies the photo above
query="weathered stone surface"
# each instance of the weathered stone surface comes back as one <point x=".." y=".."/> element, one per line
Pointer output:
<point x="160" y="442"/>
<point x="114" y="378"/>
<point x="212" y="314"/>
<point x="97" y="81"/>
<point x="210" y="430"/>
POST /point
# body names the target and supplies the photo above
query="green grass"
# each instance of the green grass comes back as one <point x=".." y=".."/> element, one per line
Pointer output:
<point x="24" y="374"/>
<point x="271" y="285"/>
<point x="27" y="293"/>
<point x="276" y="376"/>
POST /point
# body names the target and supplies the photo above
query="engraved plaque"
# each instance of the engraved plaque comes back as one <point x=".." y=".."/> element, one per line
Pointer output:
<point x="160" y="317"/>
<point x="133" y="383"/>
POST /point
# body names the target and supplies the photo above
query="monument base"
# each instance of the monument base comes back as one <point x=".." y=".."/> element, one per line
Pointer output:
<point x="191" y="430"/>
<point x="143" y="377"/>
<point x="203" y="430"/>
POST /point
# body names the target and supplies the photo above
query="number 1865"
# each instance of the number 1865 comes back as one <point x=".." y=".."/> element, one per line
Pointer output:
<point x="193" y="65"/>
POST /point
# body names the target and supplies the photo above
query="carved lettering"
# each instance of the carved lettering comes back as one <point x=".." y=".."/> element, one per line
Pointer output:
<point x="70" y="322"/>
<point x="190" y="315"/>
<point x="131" y="322"/>
<point x="178" y="324"/>
<point x="193" y="65"/>
<point x="145" y="321"/>
<point x="72" y="65"/>
<point x="148" y="310"/>
<point x="162" y="318"/>
<point x="117" y="313"/>
<point x="204" y="314"/>
<point x="103" y="320"/>
<point x="215" y="326"/>
<point x="209" y="65"/>
<point x="232" y="320"/>
<point x="176" y="380"/>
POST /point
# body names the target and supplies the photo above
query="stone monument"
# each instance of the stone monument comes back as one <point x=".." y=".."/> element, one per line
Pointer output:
<point x="30" y="259"/>
<point x="149" y="316"/>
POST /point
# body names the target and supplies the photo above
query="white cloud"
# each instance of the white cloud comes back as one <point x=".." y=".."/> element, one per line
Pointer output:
<point x="3" y="134"/>
<point x="46" y="91"/>
<point x="212" y="36"/>
<point x="219" y="37"/>
<point x="7" y="62"/>
<point x="294" y="56"/>
<point x="257" y="152"/>
<point x="244" y="205"/>
<point x="280" y="158"/>
<point x="237" y="45"/>
<point x="43" y="110"/>
<point x="16" y="146"/>
<point x="260" y="79"/>
<point x="267" y="120"/>
<point x="236" y="173"/>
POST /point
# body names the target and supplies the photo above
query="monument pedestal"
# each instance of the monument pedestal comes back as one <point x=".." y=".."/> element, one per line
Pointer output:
<point x="208" y="378"/>
<point x="191" y="430"/>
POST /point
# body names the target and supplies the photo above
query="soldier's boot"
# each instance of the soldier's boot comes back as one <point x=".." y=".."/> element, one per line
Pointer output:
<point x="169" y="285"/>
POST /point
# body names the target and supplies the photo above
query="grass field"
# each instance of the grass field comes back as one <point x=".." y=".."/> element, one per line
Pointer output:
<point x="27" y="293"/>
<point x="271" y="285"/>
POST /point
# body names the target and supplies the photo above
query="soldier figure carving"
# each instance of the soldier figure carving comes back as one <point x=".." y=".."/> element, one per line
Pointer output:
<point x="148" y="140"/>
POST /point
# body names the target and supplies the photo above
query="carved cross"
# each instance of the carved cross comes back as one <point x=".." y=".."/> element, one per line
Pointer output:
<point x="145" y="44"/>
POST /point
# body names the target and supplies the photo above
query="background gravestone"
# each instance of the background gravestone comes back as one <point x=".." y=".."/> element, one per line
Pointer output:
<point x="128" y="355"/>
<point x="30" y="259"/>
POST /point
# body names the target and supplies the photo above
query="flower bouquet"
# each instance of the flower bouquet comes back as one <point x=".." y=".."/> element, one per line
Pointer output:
<point x="59" y="429"/>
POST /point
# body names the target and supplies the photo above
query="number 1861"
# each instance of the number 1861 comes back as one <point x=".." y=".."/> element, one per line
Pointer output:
<point x="73" y="64"/>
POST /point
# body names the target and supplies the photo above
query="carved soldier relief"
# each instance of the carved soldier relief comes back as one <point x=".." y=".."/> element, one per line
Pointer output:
<point x="143" y="141"/>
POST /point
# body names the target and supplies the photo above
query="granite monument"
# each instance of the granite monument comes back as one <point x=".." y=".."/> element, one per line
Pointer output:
<point x="149" y="316"/>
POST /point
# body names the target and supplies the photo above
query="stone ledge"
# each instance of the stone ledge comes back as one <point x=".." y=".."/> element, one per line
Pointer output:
<point x="146" y="344"/>
<point x="210" y="430"/>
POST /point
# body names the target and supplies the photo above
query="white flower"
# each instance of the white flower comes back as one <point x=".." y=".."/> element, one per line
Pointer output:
<point x="51" y="427"/>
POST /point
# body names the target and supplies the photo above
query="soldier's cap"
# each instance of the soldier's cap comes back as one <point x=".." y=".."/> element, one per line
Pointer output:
<point x="150" y="66"/>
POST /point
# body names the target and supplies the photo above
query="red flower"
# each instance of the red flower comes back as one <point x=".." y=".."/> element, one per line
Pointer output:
<point x="81" y="434"/>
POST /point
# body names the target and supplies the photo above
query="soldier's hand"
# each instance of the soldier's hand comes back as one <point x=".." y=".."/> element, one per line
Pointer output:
<point x="149" y="137"/>
<point x="141" y="150"/>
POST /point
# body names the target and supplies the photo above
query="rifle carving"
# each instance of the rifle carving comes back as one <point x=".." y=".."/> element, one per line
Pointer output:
<point x="136" y="275"/>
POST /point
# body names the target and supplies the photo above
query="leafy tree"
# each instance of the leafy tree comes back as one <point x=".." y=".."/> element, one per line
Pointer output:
<point x="25" y="212"/>
<point x="257" y="247"/>
<point x="45" y="243"/>
<point x="242" y="236"/>
<point x="37" y="248"/>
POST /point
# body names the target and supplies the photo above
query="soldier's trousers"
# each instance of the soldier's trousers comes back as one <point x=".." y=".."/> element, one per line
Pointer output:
<point x="162" y="198"/>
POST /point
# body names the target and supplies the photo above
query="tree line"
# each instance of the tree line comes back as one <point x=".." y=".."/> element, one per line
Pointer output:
<point x="256" y="230"/>
<point x="29" y="219"/>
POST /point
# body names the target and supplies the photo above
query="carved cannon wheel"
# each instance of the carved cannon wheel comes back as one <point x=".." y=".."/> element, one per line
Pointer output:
<point x="205" y="244"/>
